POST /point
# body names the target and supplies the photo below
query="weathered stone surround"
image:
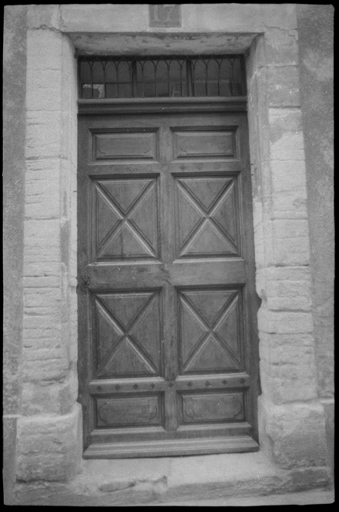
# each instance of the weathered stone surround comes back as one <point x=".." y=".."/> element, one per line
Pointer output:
<point x="291" y="417"/>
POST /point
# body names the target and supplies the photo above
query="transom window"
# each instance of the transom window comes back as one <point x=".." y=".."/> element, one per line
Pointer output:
<point x="160" y="77"/>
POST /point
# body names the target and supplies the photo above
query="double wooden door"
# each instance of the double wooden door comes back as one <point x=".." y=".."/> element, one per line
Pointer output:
<point x="167" y="335"/>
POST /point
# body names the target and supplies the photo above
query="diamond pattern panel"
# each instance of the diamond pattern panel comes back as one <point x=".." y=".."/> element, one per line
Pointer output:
<point x="206" y="217"/>
<point x="126" y="219"/>
<point x="128" y="333"/>
<point x="210" y="338"/>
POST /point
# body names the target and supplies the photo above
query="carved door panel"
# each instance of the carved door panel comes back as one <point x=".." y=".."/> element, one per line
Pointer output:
<point x="166" y="314"/>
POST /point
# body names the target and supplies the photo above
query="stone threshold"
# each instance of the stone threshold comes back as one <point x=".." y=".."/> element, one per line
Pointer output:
<point x="172" y="479"/>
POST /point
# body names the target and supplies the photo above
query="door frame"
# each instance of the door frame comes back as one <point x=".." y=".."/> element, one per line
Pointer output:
<point x="182" y="105"/>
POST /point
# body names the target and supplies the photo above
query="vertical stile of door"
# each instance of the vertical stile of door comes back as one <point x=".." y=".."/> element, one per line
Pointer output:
<point x="169" y="328"/>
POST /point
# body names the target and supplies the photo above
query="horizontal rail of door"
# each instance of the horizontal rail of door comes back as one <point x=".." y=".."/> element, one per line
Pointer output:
<point x="118" y="435"/>
<point x="182" y="383"/>
<point x="163" y="106"/>
<point x="152" y="274"/>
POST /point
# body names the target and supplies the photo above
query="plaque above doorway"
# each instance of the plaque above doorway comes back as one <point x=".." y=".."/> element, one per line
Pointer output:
<point x="165" y="15"/>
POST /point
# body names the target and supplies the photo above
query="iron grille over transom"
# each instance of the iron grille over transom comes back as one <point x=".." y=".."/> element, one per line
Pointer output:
<point x="161" y="77"/>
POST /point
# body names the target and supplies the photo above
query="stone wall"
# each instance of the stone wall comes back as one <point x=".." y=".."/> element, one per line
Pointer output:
<point x="41" y="307"/>
<point x="291" y="419"/>
<point x="315" y="26"/>
<point x="14" y="99"/>
<point x="49" y="430"/>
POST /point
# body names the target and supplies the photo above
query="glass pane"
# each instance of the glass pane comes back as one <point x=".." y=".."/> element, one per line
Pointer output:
<point x="200" y="77"/>
<point x="85" y="72"/>
<point x="149" y="72"/>
<point x="124" y="73"/>
<point x="98" y="73"/>
<point x="178" y="83"/>
<point x="111" y="72"/>
<point x="111" y="91"/>
<point x="98" y="91"/>
<point x="86" y="91"/>
<point x="213" y="89"/>
<point x="125" y="90"/>
<point x="238" y="88"/>
<point x="149" y="90"/>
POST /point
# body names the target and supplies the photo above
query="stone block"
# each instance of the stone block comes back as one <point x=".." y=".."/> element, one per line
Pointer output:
<point x="281" y="47"/>
<point x="43" y="16"/>
<point x="45" y="360"/>
<point x="288" y="295"/>
<point x="43" y="366"/>
<point x="290" y="228"/>
<point x="43" y="90"/>
<point x="103" y="18"/>
<point x="288" y="176"/>
<point x="44" y="50"/>
<point x="293" y="435"/>
<point x="41" y="282"/>
<point x="285" y="127"/>
<point x="42" y="232"/>
<point x="282" y="16"/>
<point x="43" y="322"/>
<point x="9" y="452"/>
<point x="42" y="194"/>
<point x="287" y="367"/>
<point x="291" y="251"/>
<point x="286" y="242"/>
<point x="289" y="303"/>
<point x="42" y="269"/>
<point x="43" y="135"/>
<point x="49" y="447"/>
<point x="49" y="398"/>
<point x="11" y="390"/>
<point x="282" y="322"/>
<point x="283" y="86"/>
<point x="288" y="388"/>
<point x="289" y="205"/>
<point x="293" y="273"/>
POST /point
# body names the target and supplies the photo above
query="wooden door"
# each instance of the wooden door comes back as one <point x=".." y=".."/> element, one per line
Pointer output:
<point x="167" y="342"/>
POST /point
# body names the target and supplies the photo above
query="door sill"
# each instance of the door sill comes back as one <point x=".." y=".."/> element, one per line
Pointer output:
<point x="171" y="447"/>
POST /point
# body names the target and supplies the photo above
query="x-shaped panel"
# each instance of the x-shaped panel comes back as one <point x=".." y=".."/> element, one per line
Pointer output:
<point x="210" y="337"/>
<point x="126" y="218"/>
<point x="128" y="334"/>
<point x="207" y="216"/>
